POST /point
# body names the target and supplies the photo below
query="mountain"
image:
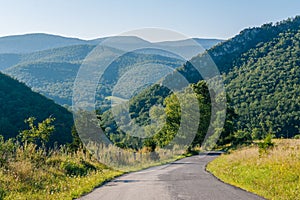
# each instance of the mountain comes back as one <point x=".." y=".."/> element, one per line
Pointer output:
<point x="189" y="47"/>
<point x="18" y="103"/>
<point x="8" y="59"/>
<point x="28" y="43"/>
<point x="35" y="42"/>
<point x="261" y="69"/>
<point x="52" y="72"/>
<point x="265" y="87"/>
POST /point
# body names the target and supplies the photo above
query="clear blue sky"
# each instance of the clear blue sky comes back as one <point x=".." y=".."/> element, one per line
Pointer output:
<point x="97" y="18"/>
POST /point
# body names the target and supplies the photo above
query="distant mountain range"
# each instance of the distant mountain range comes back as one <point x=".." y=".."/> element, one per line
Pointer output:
<point x="49" y="64"/>
<point x="28" y="43"/>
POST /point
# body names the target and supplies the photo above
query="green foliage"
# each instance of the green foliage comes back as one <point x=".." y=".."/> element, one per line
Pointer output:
<point x="82" y="168"/>
<point x="297" y="136"/>
<point x="242" y="137"/>
<point x="7" y="149"/>
<point x="76" y="143"/>
<point x="261" y="71"/>
<point x="266" y="144"/>
<point x="265" y="88"/>
<point x="40" y="133"/>
<point x="2" y="193"/>
<point x="144" y="109"/>
<point x="150" y="144"/>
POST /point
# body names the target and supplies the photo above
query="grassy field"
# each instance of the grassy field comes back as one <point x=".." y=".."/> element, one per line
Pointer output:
<point x="273" y="175"/>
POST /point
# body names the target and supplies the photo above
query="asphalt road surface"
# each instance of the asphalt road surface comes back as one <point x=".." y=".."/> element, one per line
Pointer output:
<point x="185" y="179"/>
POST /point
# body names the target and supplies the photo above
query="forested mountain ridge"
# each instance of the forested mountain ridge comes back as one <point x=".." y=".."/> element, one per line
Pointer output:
<point x="265" y="89"/>
<point x="71" y="54"/>
<point x="18" y="103"/>
<point x="228" y="54"/>
<point x="260" y="67"/>
<point x="53" y="75"/>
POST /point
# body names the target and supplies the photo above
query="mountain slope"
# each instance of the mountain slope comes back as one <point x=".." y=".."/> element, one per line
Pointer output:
<point x="228" y="54"/>
<point x="261" y="72"/>
<point x="265" y="89"/>
<point x="52" y="79"/>
<point x="18" y="103"/>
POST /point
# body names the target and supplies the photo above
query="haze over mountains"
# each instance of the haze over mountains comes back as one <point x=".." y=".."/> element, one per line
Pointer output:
<point x="49" y="64"/>
<point x="28" y="43"/>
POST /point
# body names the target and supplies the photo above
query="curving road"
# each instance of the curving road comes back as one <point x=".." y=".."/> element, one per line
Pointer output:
<point x="185" y="179"/>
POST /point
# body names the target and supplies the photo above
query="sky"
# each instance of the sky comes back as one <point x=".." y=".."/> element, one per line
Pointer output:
<point x="89" y="19"/>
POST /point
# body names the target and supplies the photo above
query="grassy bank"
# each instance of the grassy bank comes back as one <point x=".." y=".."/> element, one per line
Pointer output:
<point x="273" y="175"/>
<point x="30" y="172"/>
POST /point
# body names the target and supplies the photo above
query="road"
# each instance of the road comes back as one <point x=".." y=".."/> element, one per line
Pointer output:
<point x="185" y="179"/>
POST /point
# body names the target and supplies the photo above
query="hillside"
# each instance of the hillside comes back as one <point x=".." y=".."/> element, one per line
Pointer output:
<point x="18" y="103"/>
<point x="228" y="54"/>
<point x="52" y="72"/>
<point x="265" y="88"/>
<point x="261" y="70"/>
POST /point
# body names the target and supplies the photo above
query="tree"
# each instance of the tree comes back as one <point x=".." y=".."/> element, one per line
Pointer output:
<point x="39" y="133"/>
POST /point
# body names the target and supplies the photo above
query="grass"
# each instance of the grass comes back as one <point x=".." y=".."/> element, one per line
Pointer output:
<point x="130" y="160"/>
<point x="30" y="172"/>
<point x="274" y="174"/>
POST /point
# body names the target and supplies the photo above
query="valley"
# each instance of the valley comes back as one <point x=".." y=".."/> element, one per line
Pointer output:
<point x="154" y="103"/>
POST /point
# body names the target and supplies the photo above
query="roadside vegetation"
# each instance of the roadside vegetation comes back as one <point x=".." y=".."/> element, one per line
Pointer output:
<point x="30" y="170"/>
<point x="270" y="171"/>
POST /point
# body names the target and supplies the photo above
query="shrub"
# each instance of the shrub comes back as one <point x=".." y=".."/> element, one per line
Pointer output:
<point x="266" y="144"/>
<point x="297" y="136"/>
<point x="82" y="168"/>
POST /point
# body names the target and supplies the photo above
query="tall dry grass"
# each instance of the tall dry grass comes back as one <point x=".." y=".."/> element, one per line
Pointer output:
<point x="30" y="172"/>
<point x="274" y="174"/>
<point x="130" y="160"/>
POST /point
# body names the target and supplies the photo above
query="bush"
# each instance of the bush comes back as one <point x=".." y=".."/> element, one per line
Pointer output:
<point x="77" y="169"/>
<point x="297" y="136"/>
<point x="266" y="144"/>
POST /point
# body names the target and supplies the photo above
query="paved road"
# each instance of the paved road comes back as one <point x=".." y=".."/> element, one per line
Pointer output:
<point x="185" y="179"/>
